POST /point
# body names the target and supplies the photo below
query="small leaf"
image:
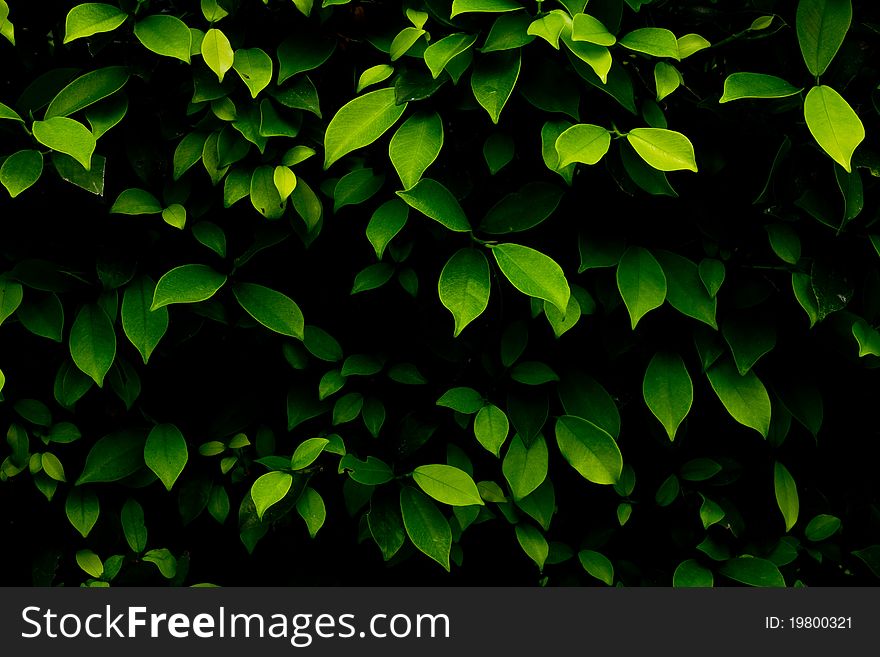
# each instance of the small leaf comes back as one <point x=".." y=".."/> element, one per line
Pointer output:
<point x="387" y="221"/>
<point x="187" y="284"/>
<point x="550" y="26"/>
<point x="307" y="452"/>
<point x="464" y="287"/>
<point x="175" y="215"/>
<point x="133" y="527"/>
<point x="786" y="494"/>
<point x="269" y="489"/>
<point x="415" y="146"/>
<point x="654" y="41"/>
<point x="435" y="201"/>
<point x="756" y="85"/>
<point x="666" y="79"/>
<point x="93" y="342"/>
<point x="165" y="35"/>
<point x="143" y="327"/>
<point x="360" y="122"/>
<point x="20" y="171"/>
<point x="254" y="67"/>
<point x="447" y="484"/>
<point x="641" y="282"/>
<point x="523" y="209"/>
<point x="82" y="509"/>
<point x="463" y="400"/>
<point x="493" y="80"/>
<point x="90" y="18"/>
<point x="272" y="309"/>
<point x="533" y="273"/>
<point x="597" y="565"/>
<point x="483" y="6"/>
<point x="533" y="544"/>
<point x="589" y="450"/>
<point x="584" y="143"/>
<point x="665" y="150"/>
<point x="833" y="124"/>
<point x="136" y="201"/>
<point x="163" y="560"/>
<point x="491" y="427"/>
<point x="690" y="574"/>
<point x="668" y="390"/>
<point x="90" y="563"/>
<point x="374" y="75"/>
<point x="166" y="453"/>
<point x="66" y="136"/>
<point x="690" y="44"/>
<point x="441" y="52"/>
<point x="525" y="468"/>
<point x="425" y="525"/>
<point x="310" y="507"/>
<point x="821" y="527"/>
<point x="217" y="52"/>
<point x="86" y="90"/>
<point x="744" y="397"/>
<point x="753" y="572"/>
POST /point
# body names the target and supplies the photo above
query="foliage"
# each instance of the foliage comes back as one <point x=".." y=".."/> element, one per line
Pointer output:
<point x="529" y="292"/>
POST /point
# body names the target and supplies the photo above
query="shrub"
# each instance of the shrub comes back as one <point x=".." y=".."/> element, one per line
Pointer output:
<point x="524" y="291"/>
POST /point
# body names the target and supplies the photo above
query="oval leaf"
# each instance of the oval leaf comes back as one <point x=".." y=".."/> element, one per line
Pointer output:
<point x="590" y="450"/>
<point x="833" y="124"/>
<point x="93" y="342"/>
<point x="436" y="202"/>
<point x="360" y="122"/>
<point x="668" y="390"/>
<point x="464" y="287"/>
<point x="166" y="453"/>
<point x="415" y="146"/>
<point x="786" y="495"/>
<point x="66" y="136"/>
<point x="165" y="35"/>
<point x="20" y="171"/>
<point x="533" y="273"/>
<point x="641" y="282"/>
<point x="447" y="484"/>
<point x="753" y="572"/>
<point x="821" y="26"/>
<point x="272" y="309"/>
<point x="425" y="525"/>
<point x="756" y="85"/>
<point x="217" y="52"/>
<point x="113" y="457"/>
<point x="187" y="284"/>
<point x="665" y="150"/>
<point x="87" y="90"/>
<point x="143" y="327"/>
<point x="270" y="489"/>
<point x="744" y="397"/>
<point x="584" y="143"/>
<point x="90" y="18"/>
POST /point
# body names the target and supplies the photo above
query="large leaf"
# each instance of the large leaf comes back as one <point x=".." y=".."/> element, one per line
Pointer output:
<point x="93" y="342"/>
<point x="464" y="286"/>
<point x="756" y="85"/>
<point x="641" y="282"/>
<point x="114" y="457"/>
<point x="90" y="18"/>
<point x="425" y="525"/>
<point x="415" y="146"/>
<point x="66" y="136"/>
<point x="665" y="150"/>
<point x="447" y="484"/>
<point x="590" y="450"/>
<point x="533" y="273"/>
<point x="143" y="327"/>
<point x="165" y="35"/>
<point x="744" y="397"/>
<point x="360" y="122"/>
<point x="87" y="90"/>
<point x="786" y="494"/>
<point x="493" y="80"/>
<point x="166" y="453"/>
<point x="821" y="26"/>
<point x="668" y="390"/>
<point x="187" y="284"/>
<point x="272" y="309"/>
<point x="433" y="200"/>
<point x="217" y="52"/>
<point x="834" y="124"/>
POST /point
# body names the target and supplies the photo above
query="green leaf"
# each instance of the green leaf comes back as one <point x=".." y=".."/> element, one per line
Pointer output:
<point x="750" y="337"/>
<point x="87" y="90"/>
<point x="690" y="44"/>
<point x="374" y="75"/>
<point x="498" y="151"/>
<point x="744" y="397"/>
<point x="90" y="18"/>
<point x="523" y="209"/>
<point x="785" y="242"/>
<point x="217" y="53"/>
<point x="133" y="527"/>
<point x="756" y="85"/>
<point x="93" y="342"/>
<point x="52" y="466"/>
<point x="66" y="136"/>
<point x="7" y="29"/>
<point x="165" y="35"/>
<point x="386" y="526"/>
<point x="440" y="53"/>
<point x="136" y="201"/>
<point x="272" y="309"/>
<point x="833" y="124"/>
<point x="387" y="221"/>
<point x="433" y="200"/>
<point x="425" y="525"/>
<point x="491" y="427"/>
<point x="821" y="26"/>
<point x="533" y="544"/>
<point x="753" y="572"/>
<point x="666" y="79"/>
<point x="550" y="26"/>
<point x="175" y="216"/>
<point x="589" y="449"/>
<point x="685" y="290"/>
<point x="464" y="287"/>
<point x="90" y="563"/>
<point x="106" y="115"/>
<point x="143" y="327"/>
<point x="372" y="472"/>
<point x="668" y="390"/>
<point x="447" y="484"/>
<point x="82" y="509"/>
<point x="254" y="67"/>
<point x="483" y="6"/>
<point x="163" y="560"/>
<point x="690" y="574"/>
<point x="867" y="337"/>
<point x="415" y="146"/>
<point x="307" y="452"/>
<point x="269" y="489"/>
<point x="710" y="512"/>
<point x="533" y="273"/>
<point x="404" y="40"/>
<point x="597" y="565"/>
<point x="360" y="122"/>
<point x="372" y="277"/>
<point x="587" y="28"/>
<point x="113" y="457"/>
<point x="533" y="373"/>
<point x="525" y="467"/>
<point x="655" y="41"/>
<point x="188" y="152"/>
<point x="821" y="527"/>
<point x="462" y="399"/>
<point x="641" y="282"/>
<point x="187" y="284"/>
<point x="264" y="193"/>
<point x="306" y="51"/>
<point x="20" y="171"/>
<point x="584" y="397"/>
<point x="9" y="114"/>
<point x="598" y="58"/>
<point x="584" y="143"/>
<point x="310" y="507"/>
<point x="786" y="494"/>
<point x="508" y="32"/>
<point x="165" y="453"/>
<point x="665" y="150"/>
<point x="11" y="294"/>
<point x="700" y="469"/>
<point x="493" y="80"/>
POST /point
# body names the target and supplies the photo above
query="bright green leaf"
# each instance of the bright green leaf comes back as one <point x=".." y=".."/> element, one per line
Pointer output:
<point x="464" y="287"/>
<point x="589" y="450"/>
<point x="360" y="122"/>
<point x="166" y="453"/>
